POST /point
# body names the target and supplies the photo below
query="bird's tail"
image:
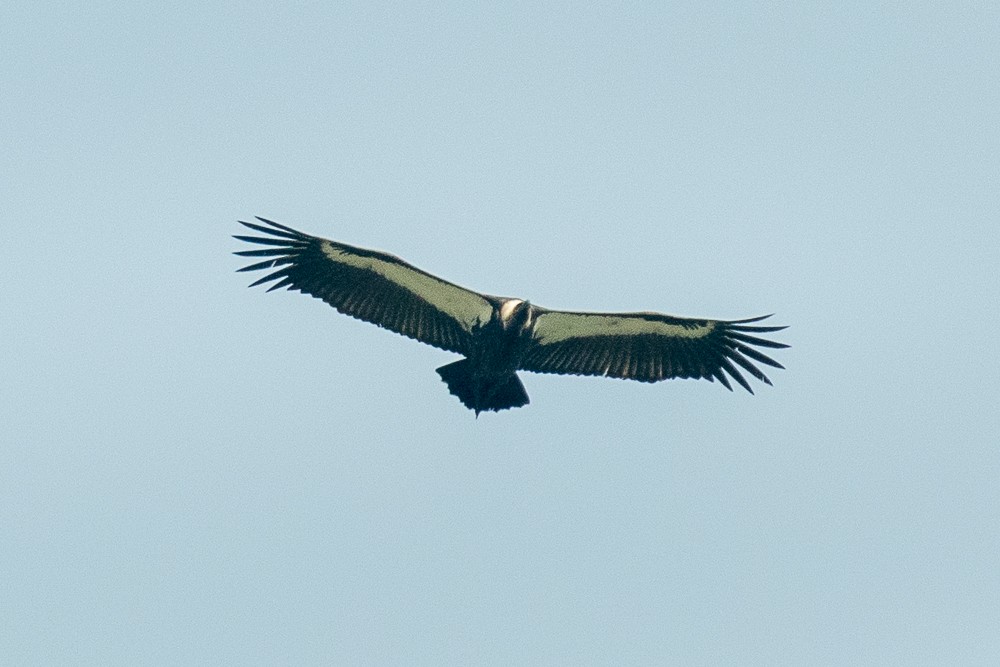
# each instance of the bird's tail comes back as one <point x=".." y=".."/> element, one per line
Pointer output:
<point x="483" y="394"/>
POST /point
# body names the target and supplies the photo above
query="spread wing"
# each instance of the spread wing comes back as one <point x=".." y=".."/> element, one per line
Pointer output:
<point x="372" y="286"/>
<point x="648" y="347"/>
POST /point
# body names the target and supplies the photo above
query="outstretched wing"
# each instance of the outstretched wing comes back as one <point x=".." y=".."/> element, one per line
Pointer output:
<point x="648" y="347"/>
<point x="372" y="286"/>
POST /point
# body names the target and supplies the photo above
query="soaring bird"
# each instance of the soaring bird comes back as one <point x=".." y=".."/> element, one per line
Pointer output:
<point x="498" y="336"/>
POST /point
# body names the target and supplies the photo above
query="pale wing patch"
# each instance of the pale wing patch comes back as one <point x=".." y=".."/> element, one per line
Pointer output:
<point x="465" y="306"/>
<point x="554" y="326"/>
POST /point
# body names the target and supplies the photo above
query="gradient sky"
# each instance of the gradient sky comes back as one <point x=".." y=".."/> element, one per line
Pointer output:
<point x="192" y="472"/>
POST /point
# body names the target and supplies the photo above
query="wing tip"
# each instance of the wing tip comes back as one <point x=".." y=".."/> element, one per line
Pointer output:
<point x="738" y="348"/>
<point x="278" y="225"/>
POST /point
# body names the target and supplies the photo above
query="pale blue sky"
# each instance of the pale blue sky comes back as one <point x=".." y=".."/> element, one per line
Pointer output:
<point x="194" y="472"/>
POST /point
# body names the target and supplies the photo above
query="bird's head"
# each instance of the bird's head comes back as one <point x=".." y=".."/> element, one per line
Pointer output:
<point x="515" y="315"/>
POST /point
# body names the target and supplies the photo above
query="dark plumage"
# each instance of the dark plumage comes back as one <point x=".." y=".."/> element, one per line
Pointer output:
<point x="499" y="336"/>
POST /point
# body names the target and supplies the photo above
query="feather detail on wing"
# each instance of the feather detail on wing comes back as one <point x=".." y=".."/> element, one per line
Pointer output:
<point x="372" y="286"/>
<point x="649" y="347"/>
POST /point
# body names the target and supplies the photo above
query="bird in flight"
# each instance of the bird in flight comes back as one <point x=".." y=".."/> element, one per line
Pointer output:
<point x="499" y="336"/>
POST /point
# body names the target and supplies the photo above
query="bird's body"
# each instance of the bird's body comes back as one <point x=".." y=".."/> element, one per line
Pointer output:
<point x="499" y="336"/>
<point x="487" y="378"/>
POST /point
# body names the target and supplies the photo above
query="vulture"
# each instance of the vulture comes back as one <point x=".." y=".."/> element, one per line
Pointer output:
<point x="499" y="336"/>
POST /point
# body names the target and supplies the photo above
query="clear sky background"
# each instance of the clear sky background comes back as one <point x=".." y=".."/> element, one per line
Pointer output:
<point x="194" y="472"/>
